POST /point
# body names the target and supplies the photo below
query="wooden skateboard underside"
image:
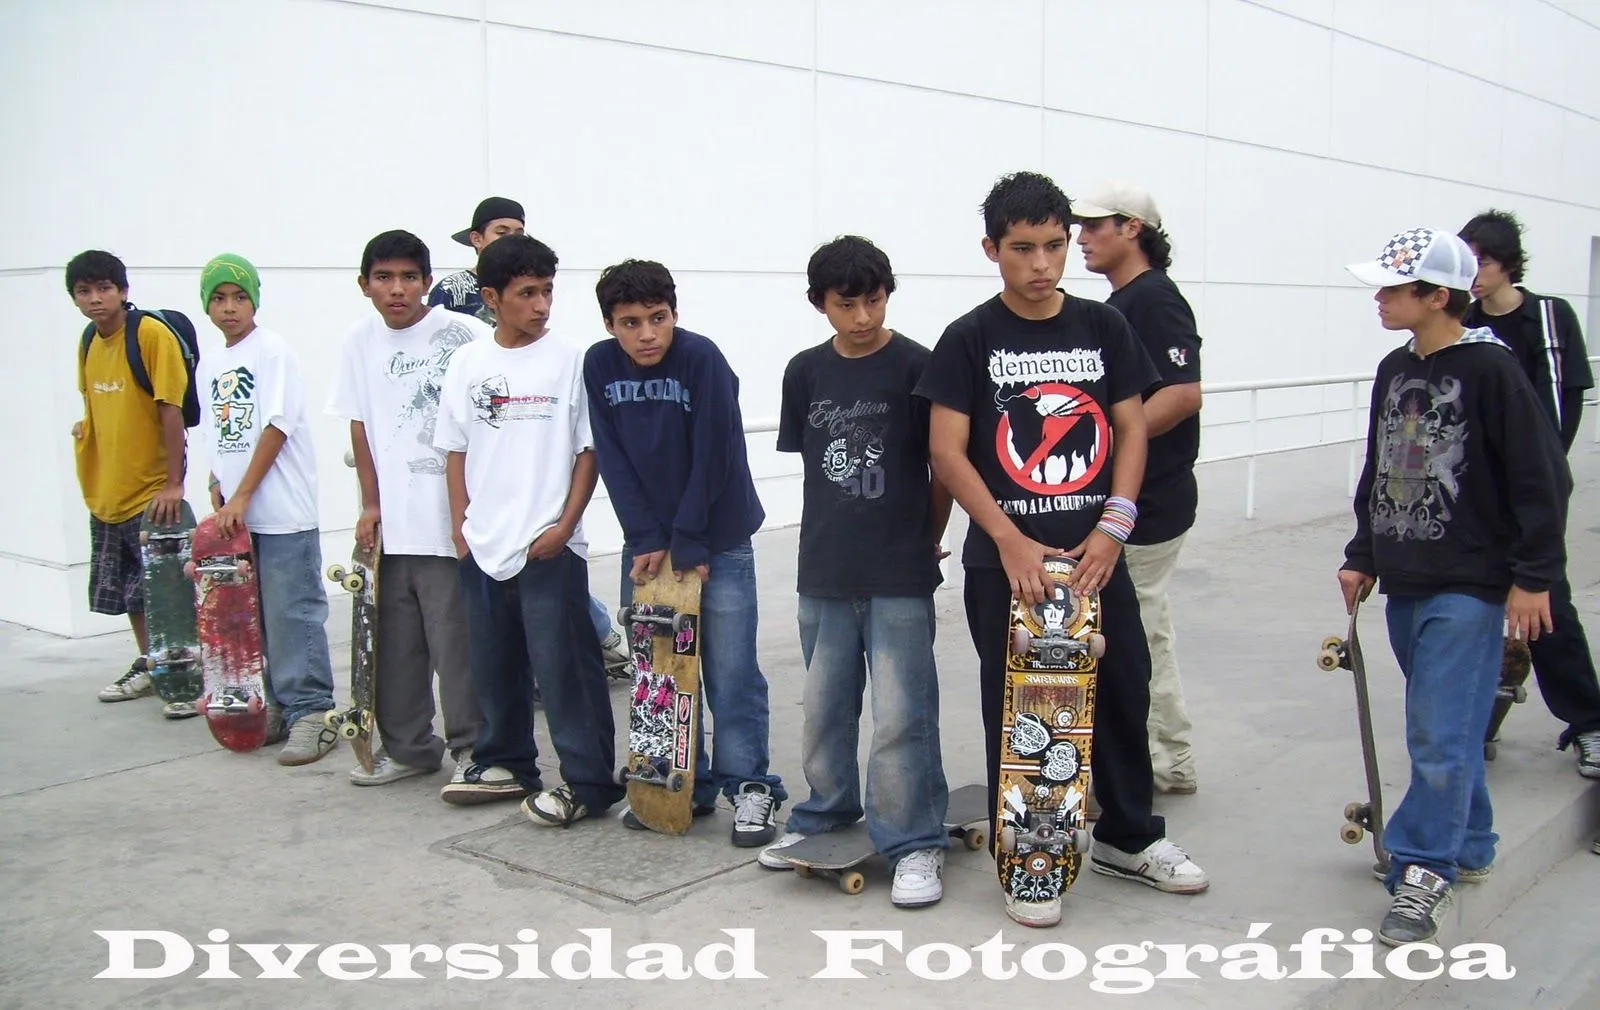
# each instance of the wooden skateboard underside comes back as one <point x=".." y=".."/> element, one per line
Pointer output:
<point x="663" y="632"/>
<point x="1047" y="740"/>
<point x="174" y="656"/>
<point x="229" y="618"/>
<point x="359" y="723"/>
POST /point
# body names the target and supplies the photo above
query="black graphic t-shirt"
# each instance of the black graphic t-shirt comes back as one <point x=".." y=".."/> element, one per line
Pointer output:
<point x="867" y="525"/>
<point x="1039" y="393"/>
<point x="1164" y="323"/>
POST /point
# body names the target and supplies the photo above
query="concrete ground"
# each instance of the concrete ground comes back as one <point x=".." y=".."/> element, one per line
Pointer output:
<point x="112" y="819"/>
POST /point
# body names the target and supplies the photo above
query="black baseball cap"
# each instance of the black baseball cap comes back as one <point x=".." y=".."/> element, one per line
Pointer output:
<point x="492" y="209"/>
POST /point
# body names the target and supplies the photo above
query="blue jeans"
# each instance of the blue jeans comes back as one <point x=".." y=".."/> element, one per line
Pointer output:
<point x="601" y="619"/>
<point x="734" y="687"/>
<point x="537" y="622"/>
<point x="1449" y="647"/>
<point x="843" y="640"/>
<point x="294" y="615"/>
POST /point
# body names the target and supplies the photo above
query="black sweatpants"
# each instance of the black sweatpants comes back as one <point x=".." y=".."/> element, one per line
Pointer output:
<point x="1120" y="763"/>
<point x="1564" y="667"/>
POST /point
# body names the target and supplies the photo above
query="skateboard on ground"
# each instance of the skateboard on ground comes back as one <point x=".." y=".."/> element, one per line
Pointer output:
<point x="662" y="627"/>
<point x="227" y="607"/>
<point x="1047" y="738"/>
<point x="359" y="723"/>
<point x="833" y="853"/>
<point x="174" y="658"/>
<point x="1515" y="665"/>
<point x="1360" y="818"/>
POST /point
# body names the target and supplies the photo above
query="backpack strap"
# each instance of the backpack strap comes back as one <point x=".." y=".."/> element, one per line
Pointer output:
<point x="135" y="353"/>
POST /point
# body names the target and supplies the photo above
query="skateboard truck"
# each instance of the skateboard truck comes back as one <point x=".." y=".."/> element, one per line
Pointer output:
<point x="649" y="773"/>
<point x="351" y="723"/>
<point x="232" y="702"/>
<point x="350" y="582"/>
<point x="659" y="619"/>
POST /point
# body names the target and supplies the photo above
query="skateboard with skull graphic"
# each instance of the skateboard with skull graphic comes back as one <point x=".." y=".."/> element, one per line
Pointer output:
<point x="1046" y="738"/>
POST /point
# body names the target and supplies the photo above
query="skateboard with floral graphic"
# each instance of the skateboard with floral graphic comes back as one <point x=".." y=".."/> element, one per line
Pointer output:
<point x="1046" y="738"/>
<point x="662" y="627"/>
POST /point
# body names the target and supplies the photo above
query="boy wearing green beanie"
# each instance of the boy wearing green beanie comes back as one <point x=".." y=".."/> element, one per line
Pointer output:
<point x="264" y="479"/>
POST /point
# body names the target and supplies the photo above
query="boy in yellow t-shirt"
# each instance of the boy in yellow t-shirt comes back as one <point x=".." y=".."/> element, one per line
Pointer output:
<point x="130" y="450"/>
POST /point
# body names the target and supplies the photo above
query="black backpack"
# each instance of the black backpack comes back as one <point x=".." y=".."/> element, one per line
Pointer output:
<point x="181" y="328"/>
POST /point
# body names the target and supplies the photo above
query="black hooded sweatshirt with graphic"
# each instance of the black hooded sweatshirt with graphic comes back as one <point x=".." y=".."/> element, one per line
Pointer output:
<point x="1465" y="484"/>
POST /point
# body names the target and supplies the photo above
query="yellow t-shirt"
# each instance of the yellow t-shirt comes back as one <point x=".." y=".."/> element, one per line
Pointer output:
<point x="122" y="461"/>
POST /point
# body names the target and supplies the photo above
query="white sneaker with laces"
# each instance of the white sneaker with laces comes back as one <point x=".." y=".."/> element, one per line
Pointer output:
<point x="133" y="684"/>
<point x="556" y="807"/>
<point x="917" y="879"/>
<point x="384" y="771"/>
<point x="772" y="859"/>
<point x="1162" y="865"/>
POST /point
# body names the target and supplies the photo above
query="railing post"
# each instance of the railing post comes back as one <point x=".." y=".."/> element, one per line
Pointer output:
<point x="1250" y="468"/>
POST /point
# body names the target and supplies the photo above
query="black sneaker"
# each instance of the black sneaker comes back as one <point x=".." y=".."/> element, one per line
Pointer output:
<point x="632" y="823"/>
<point x="755" y="816"/>
<point x="1588" y="747"/>
<point x="1420" y="900"/>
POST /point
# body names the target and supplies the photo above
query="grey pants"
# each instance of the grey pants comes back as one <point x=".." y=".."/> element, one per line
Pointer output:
<point x="422" y="629"/>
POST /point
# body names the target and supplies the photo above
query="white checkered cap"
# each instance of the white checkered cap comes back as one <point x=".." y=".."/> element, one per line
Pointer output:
<point x="1421" y="254"/>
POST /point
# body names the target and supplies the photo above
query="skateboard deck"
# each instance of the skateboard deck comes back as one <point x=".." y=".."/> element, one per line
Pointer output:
<point x="833" y="853"/>
<point x="1515" y="665"/>
<point x="1360" y="818"/>
<point x="359" y="723"/>
<point x="662" y="627"/>
<point x="174" y="657"/>
<point x="226" y="605"/>
<point x="1047" y="739"/>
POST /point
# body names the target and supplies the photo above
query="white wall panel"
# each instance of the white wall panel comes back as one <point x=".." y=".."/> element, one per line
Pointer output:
<point x="1531" y="146"/>
<point x="771" y="33"/>
<point x="1366" y="127"/>
<point x="1269" y="78"/>
<point x="1267" y="215"/>
<point x="1367" y="206"/>
<point x="1263" y="332"/>
<point x="1580" y="159"/>
<point x="1136" y="61"/>
<point x="1317" y="11"/>
<point x="1398" y="24"/>
<point x="994" y="50"/>
<point x="1460" y="125"/>
<point x="1469" y="36"/>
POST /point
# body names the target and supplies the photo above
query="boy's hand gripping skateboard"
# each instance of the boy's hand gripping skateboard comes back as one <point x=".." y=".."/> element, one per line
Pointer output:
<point x="1047" y="738"/>
<point x="834" y="853"/>
<point x="1360" y="818"/>
<point x="234" y="700"/>
<point x="174" y="658"/>
<point x="662" y="627"/>
<point x="359" y="723"/>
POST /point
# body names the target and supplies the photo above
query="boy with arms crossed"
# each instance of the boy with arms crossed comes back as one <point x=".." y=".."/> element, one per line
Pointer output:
<point x="869" y="563"/>
<point x="390" y="373"/>
<point x="1460" y="521"/>
<point x="668" y="431"/>
<point x="264" y="479"/>
<point x="520" y="472"/>
<point x="129" y="449"/>
<point x="1030" y="391"/>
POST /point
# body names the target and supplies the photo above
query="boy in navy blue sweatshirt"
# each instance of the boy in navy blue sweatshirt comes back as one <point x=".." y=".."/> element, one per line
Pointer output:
<point x="669" y="437"/>
<point x="1460" y="519"/>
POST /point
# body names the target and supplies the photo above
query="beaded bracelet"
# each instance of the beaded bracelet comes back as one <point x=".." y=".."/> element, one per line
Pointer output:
<point x="1118" y="519"/>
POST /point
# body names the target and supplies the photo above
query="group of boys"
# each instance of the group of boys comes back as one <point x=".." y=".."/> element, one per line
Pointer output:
<point x="1063" y="427"/>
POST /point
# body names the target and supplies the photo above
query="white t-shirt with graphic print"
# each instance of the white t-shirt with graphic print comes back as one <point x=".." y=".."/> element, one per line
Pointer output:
<point x="243" y="389"/>
<point x="390" y="380"/>
<point x="522" y="418"/>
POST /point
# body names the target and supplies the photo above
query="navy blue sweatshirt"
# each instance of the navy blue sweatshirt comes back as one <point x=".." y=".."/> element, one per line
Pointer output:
<point x="669" y="441"/>
<point x="1465" y="485"/>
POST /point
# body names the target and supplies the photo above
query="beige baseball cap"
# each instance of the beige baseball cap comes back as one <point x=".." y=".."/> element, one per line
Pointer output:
<point x="1117" y="197"/>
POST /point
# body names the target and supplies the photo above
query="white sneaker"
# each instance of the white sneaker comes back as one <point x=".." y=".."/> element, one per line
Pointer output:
<point x="1162" y="865"/>
<point x="180" y="710"/>
<point x="384" y="771"/>
<point x="556" y="807"/>
<point x="1034" y="913"/>
<point x="133" y="684"/>
<point x="771" y="859"/>
<point x="478" y="783"/>
<point x="916" y="879"/>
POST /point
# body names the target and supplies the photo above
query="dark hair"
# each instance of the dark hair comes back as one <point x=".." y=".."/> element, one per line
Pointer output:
<point x="849" y="265"/>
<point x="96" y="265"/>
<point x="1153" y="242"/>
<point x="505" y="259"/>
<point x="1497" y="234"/>
<point x="396" y="245"/>
<point x="1026" y="197"/>
<point x="1455" y="308"/>
<point x="643" y="281"/>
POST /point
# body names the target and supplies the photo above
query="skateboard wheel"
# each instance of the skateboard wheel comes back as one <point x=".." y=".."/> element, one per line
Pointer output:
<point x="1008" y="838"/>
<point x="680" y="622"/>
<point x="1097" y="646"/>
<point x="625" y="616"/>
<point x="354" y="583"/>
<point x="1020" y="640"/>
<point x="1327" y="660"/>
<point x="1080" y="840"/>
<point x="974" y="838"/>
<point x="803" y="871"/>
<point x="620" y="776"/>
<point x="350" y="730"/>
<point x="1332" y="643"/>
<point x="188" y="569"/>
<point x="1352" y="834"/>
<point x="1353" y="812"/>
<point x="1490" y="751"/>
<point x="336" y="573"/>
<point x="1519" y="694"/>
<point x="244" y="569"/>
<point x="852" y="883"/>
<point x="144" y="538"/>
<point x="675" y="782"/>
<point x="331" y="719"/>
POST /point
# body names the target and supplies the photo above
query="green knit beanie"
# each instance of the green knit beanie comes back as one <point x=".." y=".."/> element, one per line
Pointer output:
<point x="230" y="269"/>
